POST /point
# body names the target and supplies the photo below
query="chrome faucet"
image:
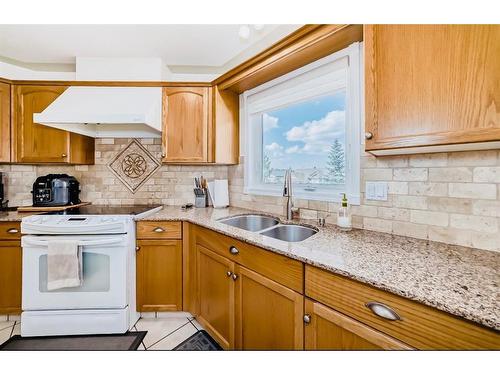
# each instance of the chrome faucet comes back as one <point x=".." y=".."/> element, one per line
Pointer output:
<point x="287" y="192"/>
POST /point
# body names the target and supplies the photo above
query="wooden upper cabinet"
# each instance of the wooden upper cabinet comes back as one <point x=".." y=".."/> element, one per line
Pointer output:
<point x="327" y="329"/>
<point x="4" y="122"/>
<point x="431" y="85"/>
<point x="200" y="125"/>
<point x="36" y="143"/>
<point x="186" y="121"/>
<point x="226" y="136"/>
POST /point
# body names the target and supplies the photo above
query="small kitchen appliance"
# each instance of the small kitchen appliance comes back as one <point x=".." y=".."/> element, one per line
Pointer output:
<point x="56" y="190"/>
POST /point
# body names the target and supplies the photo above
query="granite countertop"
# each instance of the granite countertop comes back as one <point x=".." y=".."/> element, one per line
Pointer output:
<point x="459" y="280"/>
<point x="14" y="215"/>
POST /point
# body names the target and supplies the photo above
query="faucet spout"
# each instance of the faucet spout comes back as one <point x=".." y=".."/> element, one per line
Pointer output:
<point x="287" y="192"/>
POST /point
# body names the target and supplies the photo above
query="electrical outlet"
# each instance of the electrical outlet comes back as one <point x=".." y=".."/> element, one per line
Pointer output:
<point x="376" y="191"/>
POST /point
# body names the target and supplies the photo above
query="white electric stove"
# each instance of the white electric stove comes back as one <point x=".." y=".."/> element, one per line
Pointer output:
<point x="105" y="302"/>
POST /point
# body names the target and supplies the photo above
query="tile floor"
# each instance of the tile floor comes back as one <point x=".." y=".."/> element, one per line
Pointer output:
<point x="165" y="330"/>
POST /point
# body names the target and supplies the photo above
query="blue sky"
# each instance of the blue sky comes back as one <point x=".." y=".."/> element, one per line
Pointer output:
<point x="299" y="136"/>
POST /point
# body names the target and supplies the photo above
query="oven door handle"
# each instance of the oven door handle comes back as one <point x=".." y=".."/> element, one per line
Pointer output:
<point x="30" y="242"/>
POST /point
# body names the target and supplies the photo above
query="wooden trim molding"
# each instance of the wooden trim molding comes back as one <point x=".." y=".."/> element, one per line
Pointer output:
<point x="107" y="83"/>
<point x="300" y="48"/>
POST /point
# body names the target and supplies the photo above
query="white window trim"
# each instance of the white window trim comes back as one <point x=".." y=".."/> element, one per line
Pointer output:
<point x="354" y="116"/>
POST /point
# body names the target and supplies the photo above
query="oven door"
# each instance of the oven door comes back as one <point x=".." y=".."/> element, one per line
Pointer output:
<point x="104" y="274"/>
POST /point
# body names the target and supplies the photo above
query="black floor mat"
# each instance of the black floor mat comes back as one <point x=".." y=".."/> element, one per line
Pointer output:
<point x="125" y="341"/>
<point x="201" y="340"/>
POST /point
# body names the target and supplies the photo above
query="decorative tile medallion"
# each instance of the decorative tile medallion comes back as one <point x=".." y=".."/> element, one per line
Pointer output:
<point x="134" y="165"/>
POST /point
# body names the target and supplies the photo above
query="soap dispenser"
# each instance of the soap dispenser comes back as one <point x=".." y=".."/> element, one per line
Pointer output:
<point x="344" y="215"/>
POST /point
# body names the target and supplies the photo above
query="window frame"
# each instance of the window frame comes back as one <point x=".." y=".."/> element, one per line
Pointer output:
<point x="352" y="75"/>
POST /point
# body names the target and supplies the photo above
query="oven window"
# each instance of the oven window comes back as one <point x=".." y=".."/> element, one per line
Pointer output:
<point x="96" y="274"/>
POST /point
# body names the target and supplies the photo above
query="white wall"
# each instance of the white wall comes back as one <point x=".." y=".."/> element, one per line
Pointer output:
<point x="15" y="72"/>
<point x="118" y="69"/>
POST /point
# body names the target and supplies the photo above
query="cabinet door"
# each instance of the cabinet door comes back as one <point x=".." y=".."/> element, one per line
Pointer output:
<point x="4" y="122"/>
<point x="38" y="143"/>
<point x="430" y="85"/>
<point x="10" y="277"/>
<point x="82" y="149"/>
<point x="268" y="315"/>
<point x="330" y="330"/>
<point x="216" y="295"/>
<point x="159" y="275"/>
<point x="186" y="119"/>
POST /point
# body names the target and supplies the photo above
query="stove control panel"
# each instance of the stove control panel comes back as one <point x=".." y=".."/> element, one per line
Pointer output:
<point x="76" y="224"/>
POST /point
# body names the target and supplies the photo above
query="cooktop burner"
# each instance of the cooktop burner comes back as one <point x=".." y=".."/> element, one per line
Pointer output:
<point x="105" y="210"/>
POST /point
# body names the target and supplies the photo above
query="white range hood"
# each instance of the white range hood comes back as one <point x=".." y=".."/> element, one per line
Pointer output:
<point x="106" y="112"/>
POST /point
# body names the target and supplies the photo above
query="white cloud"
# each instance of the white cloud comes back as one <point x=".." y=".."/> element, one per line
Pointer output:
<point x="269" y="122"/>
<point x="274" y="150"/>
<point x="317" y="135"/>
<point x="293" y="150"/>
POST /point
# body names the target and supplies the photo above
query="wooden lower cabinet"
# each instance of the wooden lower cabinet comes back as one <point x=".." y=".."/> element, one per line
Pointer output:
<point x="420" y="326"/>
<point x="242" y="309"/>
<point x="268" y="315"/>
<point x="330" y="330"/>
<point x="216" y="295"/>
<point x="10" y="277"/>
<point x="159" y="275"/>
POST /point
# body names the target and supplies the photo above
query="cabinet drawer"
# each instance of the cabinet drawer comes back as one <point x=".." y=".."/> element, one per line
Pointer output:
<point x="286" y="271"/>
<point x="419" y="326"/>
<point x="159" y="230"/>
<point x="10" y="230"/>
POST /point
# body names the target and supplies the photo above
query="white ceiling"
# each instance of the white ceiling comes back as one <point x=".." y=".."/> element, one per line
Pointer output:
<point x="189" y="46"/>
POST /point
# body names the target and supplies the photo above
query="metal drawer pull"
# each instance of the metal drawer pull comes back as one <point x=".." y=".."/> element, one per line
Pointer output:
<point x="383" y="311"/>
<point x="368" y="135"/>
<point x="229" y="273"/>
<point x="137" y="248"/>
<point x="233" y="250"/>
<point x="12" y="230"/>
<point x="235" y="276"/>
<point x="158" y="230"/>
<point x="307" y="318"/>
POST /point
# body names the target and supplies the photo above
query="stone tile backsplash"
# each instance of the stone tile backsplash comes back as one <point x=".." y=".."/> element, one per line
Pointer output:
<point x="445" y="197"/>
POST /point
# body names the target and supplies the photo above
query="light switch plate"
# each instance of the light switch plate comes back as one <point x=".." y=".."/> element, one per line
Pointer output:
<point x="376" y="191"/>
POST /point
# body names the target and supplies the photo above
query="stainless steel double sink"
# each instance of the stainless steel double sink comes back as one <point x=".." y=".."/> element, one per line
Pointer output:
<point x="270" y="227"/>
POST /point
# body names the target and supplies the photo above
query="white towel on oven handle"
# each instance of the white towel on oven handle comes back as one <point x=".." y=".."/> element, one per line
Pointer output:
<point x="64" y="264"/>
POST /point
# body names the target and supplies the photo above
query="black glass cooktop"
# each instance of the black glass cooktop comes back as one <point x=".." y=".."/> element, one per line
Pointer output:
<point x="104" y="210"/>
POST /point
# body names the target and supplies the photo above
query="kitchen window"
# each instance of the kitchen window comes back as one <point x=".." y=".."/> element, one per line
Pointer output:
<point x="308" y="120"/>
